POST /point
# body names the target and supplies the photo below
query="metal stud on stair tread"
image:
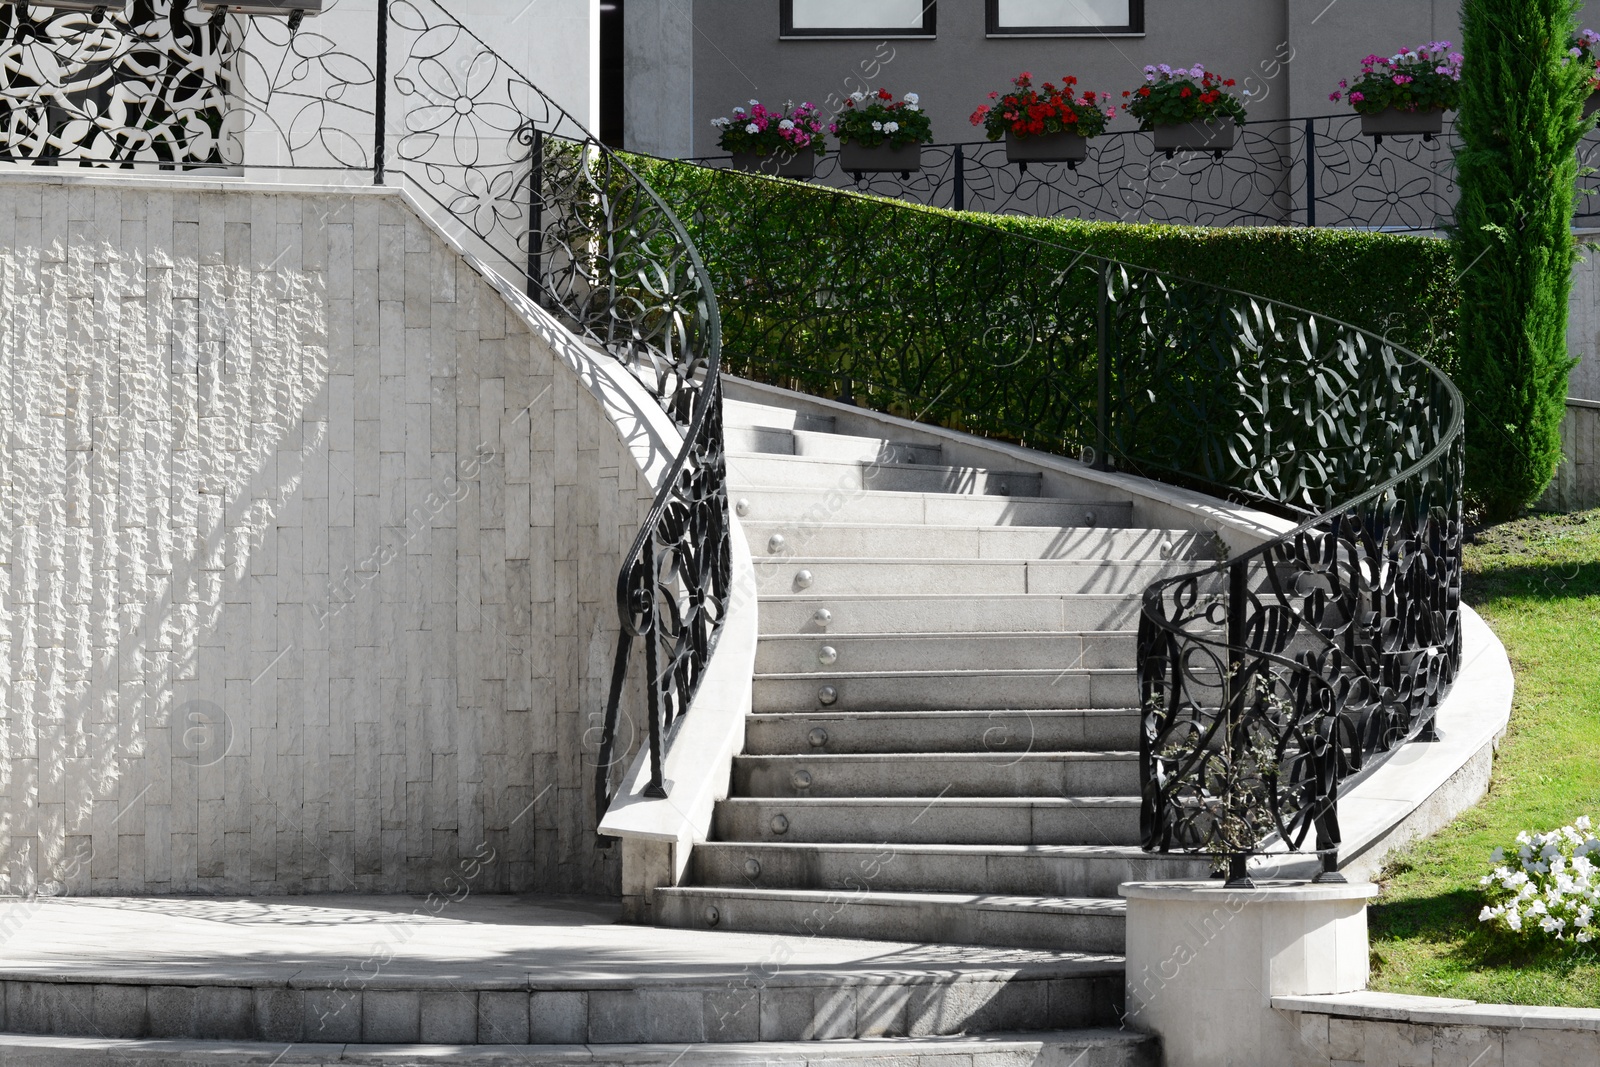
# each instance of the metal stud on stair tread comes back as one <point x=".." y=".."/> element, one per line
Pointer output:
<point x="828" y="655"/>
<point x="801" y="779"/>
<point x="802" y="580"/>
<point x="713" y="916"/>
<point x="818" y="737"/>
<point x="822" y="617"/>
<point x="1089" y="520"/>
<point x="1166" y="550"/>
<point x="752" y="868"/>
<point x="742" y="507"/>
<point x="776" y="543"/>
<point x="780" y="824"/>
<point x="827" y="695"/>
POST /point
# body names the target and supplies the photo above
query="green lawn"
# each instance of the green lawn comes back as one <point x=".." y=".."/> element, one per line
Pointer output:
<point x="1537" y="582"/>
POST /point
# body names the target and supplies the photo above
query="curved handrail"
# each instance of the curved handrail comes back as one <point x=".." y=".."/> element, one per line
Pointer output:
<point x="1349" y="620"/>
<point x="606" y="253"/>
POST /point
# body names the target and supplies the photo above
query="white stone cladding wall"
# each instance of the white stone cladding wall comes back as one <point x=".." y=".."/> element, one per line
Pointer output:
<point x="307" y="553"/>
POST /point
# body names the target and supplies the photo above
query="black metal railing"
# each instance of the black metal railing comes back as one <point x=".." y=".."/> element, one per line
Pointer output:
<point x="1269" y="680"/>
<point x="1317" y="171"/>
<point x="527" y="189"/>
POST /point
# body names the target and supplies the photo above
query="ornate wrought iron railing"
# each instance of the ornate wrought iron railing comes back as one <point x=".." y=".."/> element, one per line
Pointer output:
<point x="527" y="189"/>
<point x="1269" y="680"/>
<point x="1319" y="171"/>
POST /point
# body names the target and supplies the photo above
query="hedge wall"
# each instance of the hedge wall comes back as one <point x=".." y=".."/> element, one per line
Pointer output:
<point x="989" y="324"/>
<point x="1399" y="285"/>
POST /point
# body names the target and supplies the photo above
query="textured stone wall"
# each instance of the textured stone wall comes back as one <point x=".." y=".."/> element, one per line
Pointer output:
<point x="307" y="549"/>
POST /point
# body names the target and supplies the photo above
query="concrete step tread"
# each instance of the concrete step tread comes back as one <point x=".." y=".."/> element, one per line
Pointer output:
<point x="1002" y="758"/>
<point x="1032" y="905"/>
<point x="933" y="803"/>
<point x="829" y="461"/>
<point x="1012" y="1049"/>
<point x="1020" y="672"/>
<point x="967" y="852"/>
<point x="907" y="494"/>
<point x="945" y="635"/>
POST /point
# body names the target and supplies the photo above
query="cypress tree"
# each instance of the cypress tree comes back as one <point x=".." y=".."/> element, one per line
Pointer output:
<point x="1519" y="124"/>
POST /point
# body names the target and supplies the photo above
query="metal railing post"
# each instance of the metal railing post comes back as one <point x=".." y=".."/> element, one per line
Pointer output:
<point x="381" y="86"/>
<point x="961" y="178"/>
<point x="1102" y="414"/>
<point x="1233" y="696"/>
<point x="536" y="216"/>
<point x="1311" y="172"/>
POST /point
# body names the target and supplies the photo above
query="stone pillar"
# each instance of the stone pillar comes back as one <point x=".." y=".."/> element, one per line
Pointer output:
<point x="1205" y="961"/>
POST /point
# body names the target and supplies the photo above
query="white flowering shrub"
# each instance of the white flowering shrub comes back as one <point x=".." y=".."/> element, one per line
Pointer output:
<point x="1550" y="888"/>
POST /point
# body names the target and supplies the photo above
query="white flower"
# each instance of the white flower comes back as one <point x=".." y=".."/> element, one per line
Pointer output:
<point x="753" y="103"/>
<point x="913" y="107"/>
<point x="1513" y="919"/>
<point x="1487" y="914"/>
<point x="719" y="123"/>
<point x="1584" y="937"/>
<point x="738" y="111"/>
<point x="890" y="127"/>
<point x="913" y="98"/>
<point x="752" y="128"/>
<point x="786" y="124"/>
<point x="1582" y="823"/>
<point x="1497" y="857"/>
<point x="1552" y="926"/>
<point x="1585" y="915"/>
<point x="877" y="125"/>
<point x="858" y="97"/>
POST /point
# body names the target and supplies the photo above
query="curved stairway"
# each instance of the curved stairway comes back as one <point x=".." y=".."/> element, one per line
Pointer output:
<point x="945" y="739"/>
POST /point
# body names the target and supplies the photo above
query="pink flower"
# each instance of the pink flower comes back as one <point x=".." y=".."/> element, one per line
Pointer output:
<point x="1334" y="97"/>
<point x="1357" y="97"/>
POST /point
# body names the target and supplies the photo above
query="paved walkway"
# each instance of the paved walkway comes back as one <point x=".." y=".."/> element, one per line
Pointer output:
<point x="484" y="942"/>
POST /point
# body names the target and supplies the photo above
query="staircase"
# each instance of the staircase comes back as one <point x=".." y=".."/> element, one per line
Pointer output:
<point x="945" y="740"/>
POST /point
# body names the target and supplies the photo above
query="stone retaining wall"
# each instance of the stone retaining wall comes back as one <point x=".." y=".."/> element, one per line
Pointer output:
<point x="307" y="552"/>
<point x="1392" y="1030"/>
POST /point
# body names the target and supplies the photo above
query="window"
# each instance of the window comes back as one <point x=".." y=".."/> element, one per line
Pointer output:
<point x="856" y="18"/>
<point x="1054" y="18"/>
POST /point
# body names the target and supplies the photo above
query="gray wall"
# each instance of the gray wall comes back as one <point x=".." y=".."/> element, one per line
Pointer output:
<point x="307" y="552"/>
<point x="692" y="60"/>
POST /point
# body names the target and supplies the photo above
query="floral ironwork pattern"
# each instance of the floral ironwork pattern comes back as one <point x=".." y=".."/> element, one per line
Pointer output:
<point x="1271" y="680"/>
<point x="161" y="82"/>
<point x="541" y="198"/>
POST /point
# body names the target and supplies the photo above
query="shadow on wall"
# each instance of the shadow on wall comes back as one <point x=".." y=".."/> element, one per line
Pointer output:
<point x="307" y="550"/>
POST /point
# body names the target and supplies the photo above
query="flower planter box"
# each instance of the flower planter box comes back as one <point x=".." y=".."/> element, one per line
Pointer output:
<point x="782" y="165"/>
<point x="1197" y="136"/>
<point x="1047" y="148"/>
<point x="879" y="159"/>
<point x="1392" y="123"/>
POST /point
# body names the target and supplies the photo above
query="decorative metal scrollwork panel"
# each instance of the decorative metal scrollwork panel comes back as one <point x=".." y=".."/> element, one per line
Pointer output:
<point x="160" y="82"/>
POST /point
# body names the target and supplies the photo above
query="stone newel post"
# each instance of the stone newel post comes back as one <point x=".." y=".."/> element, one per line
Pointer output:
<point x="1205" y="961"/>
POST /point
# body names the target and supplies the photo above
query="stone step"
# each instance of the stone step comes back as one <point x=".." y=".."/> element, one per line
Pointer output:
<point x="938" y="690"/>
<point x="936" y="821"/>
<point x="1083" y="1047"/>
<point x="761" y="469"/>
<point x="807" y="653"/>
<point x="1080" y="924"/>
<point x="941" y="774"/>
<point x="852" y="504"/>
<point x="1037" y="870"/>
<point x="921" y="541"/>
<point x="825" y="576"/>
<point x="741" y="413"/>
<point x="810" y="613"/>
<point x="746" y="440"/>
<point x="791" y="733"/>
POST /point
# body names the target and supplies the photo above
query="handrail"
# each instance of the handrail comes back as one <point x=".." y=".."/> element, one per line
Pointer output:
<point x="1268" y="680"/>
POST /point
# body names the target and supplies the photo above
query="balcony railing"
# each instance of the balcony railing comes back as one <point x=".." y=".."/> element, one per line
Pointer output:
<point x="1318" y="171"/>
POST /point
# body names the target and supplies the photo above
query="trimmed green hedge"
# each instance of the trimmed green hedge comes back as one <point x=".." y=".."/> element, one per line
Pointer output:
<point x="989" y="324"/>
<point x="1399" y="285"/>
